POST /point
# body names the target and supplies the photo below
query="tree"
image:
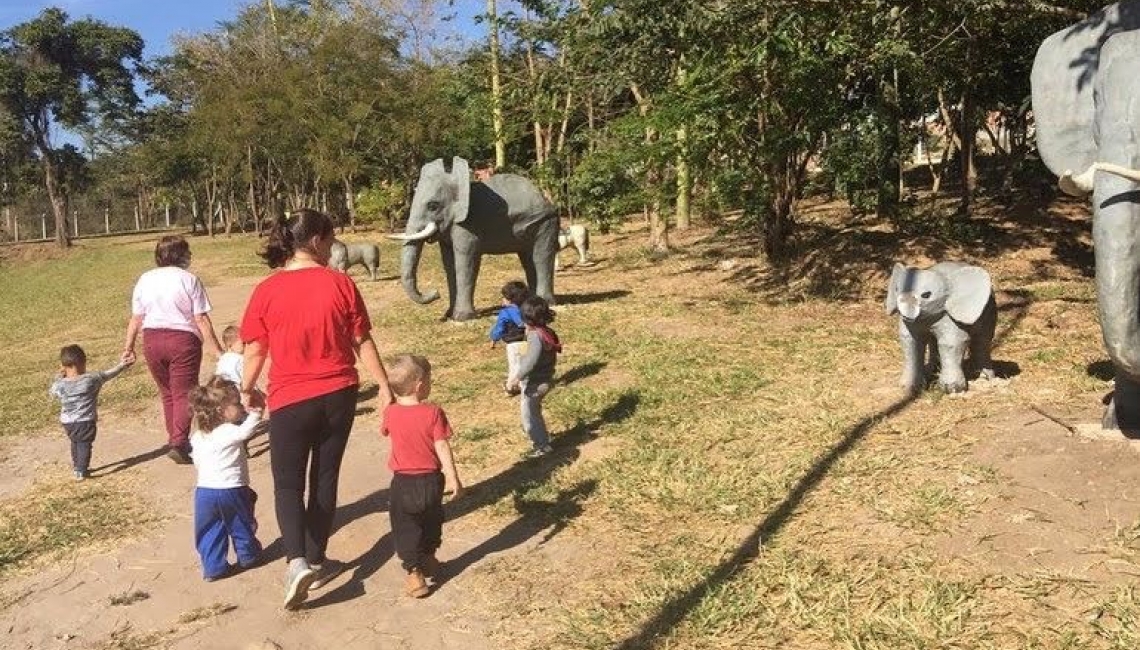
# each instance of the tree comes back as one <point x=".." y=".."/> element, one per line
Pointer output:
<point x="55" y="72"/>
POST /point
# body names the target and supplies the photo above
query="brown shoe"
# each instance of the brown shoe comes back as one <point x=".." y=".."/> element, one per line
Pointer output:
<point x="430" y="566"/>
<point x="415" y="585"/>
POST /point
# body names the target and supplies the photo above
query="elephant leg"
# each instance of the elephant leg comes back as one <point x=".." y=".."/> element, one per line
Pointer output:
<point x="582" y="259"/>
<point x="527" y="262"/>
<point x="952" y="342"/>
<point x="447" y="257"/>
<point x="1123" y="411"/>
<point x="467" y="262"/>
<point x="544" y="254"/>
<point x="913" y="378"/>
<point x="980" y="356"/>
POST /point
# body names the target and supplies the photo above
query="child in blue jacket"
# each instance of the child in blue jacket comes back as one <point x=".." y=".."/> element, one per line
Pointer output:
<point x="509" y="329"/>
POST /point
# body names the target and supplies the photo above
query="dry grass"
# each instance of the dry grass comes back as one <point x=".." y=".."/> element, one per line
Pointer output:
<point x="734" y="466"/>
<point x="57" y="516"/>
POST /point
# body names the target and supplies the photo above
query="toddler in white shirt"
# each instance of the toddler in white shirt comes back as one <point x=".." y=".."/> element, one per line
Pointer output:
<point x="223" y="500"/>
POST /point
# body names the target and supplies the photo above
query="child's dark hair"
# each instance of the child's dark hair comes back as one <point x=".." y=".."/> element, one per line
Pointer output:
<point x="405" y="370"/>
<point x="208" y="403"/>
<point x="515" y="292"/>
<point x="536" y="311"/>
<point x="72" y="356"/>
<point x="229" y="335"/>
<point x="291" y="234"/>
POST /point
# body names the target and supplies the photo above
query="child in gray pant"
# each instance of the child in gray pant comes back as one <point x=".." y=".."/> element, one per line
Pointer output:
<point x="535" y="373"/>
<point x="78" y="391"/>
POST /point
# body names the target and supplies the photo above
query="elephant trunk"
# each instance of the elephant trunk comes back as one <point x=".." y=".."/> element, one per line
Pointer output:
<point x="409" y="263"/>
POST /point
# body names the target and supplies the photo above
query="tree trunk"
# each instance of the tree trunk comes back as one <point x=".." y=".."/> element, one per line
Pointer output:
<point x="890" y="160"/>
<point x="350" y="203"/>
<point x="496" y="88"/>
<point x="684" y="177"/>
<point x="968" y="171"/>
<point x="252" y="190"/>
<point x="55" y="197"/>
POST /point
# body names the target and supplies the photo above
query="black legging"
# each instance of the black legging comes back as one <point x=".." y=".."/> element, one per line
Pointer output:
<point x="316" y="427"/>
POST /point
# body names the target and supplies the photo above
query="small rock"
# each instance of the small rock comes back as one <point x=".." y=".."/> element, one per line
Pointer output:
<point x="726" y="265"/>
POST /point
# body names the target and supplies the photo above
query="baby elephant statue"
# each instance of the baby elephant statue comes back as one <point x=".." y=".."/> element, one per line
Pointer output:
<point x="578" y="237"/>
<point x="345" y="256"/>
<point x="945" y="307"/>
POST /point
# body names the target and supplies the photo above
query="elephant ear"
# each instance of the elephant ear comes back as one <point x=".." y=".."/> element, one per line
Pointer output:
<point x="892" y="303"/>
<point x="461" y="182"/>
<point x="970" y="292"/>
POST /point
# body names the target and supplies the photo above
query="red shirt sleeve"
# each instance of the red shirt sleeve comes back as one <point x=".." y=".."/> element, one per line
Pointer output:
<point x="253" y="322"/>
<point x="441" y="428"/>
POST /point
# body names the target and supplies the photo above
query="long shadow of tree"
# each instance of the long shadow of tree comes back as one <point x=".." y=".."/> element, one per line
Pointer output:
<point x="479" y="495"/>
<point x="675" y="610"/>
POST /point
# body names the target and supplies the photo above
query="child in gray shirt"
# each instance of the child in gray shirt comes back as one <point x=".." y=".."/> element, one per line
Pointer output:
<point x="78" y="391"/>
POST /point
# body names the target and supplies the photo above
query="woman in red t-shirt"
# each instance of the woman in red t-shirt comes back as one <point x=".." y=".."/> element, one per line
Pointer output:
<point x="311" y="322"/>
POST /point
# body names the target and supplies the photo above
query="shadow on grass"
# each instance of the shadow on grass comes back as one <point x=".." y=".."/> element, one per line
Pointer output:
<point x="483" y="493"/>
<point x="127" y="463"/>
<point x="580" y="372"/>
<point x="535" y="517"/>
<point x="676" y="609"/>
<point x="597" y="296"/>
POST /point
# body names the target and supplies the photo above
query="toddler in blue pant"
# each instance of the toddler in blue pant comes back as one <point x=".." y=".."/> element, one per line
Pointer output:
<point x="223" y="500"/>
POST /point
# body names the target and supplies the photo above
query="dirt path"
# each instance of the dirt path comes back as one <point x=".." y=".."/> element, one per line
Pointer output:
<point x="68" y="605"/>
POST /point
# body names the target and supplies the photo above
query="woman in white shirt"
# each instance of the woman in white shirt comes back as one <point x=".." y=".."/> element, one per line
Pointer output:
<point x="169" y="305"/>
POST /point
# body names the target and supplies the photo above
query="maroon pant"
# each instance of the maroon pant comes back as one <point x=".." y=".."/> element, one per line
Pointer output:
<point x="174" y="358"/>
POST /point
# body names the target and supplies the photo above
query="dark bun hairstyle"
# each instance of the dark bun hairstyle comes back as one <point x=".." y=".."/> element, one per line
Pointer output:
<point x="293" y="233"/>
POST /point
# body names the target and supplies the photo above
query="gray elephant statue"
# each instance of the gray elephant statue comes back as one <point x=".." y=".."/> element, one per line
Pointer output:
<point x="577" y="236"/>
<point x="1086" y="104"/>
<point x="505" y="213"/>
<point x="945" y="308"/>
<point x="345" y="256"/>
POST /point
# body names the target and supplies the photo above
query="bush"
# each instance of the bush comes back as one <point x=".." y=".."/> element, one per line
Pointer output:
<point x="381" y="202"/>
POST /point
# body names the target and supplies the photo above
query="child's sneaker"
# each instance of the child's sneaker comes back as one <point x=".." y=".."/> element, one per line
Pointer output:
<point x="415" y="585"/>
<point x="539" y="452"/>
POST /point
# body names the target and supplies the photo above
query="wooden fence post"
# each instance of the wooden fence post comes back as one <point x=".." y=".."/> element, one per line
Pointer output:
<point x="138" y="223"/>
<point x="167" y="215"/>
<point x="43" y="225"/>
<point x="107" y="220"/>
<point x="75" y="219"/>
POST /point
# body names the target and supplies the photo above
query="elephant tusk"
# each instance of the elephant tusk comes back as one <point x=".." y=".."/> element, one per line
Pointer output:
<point x="1081" y="184"/>
<point x="426" y="233"/>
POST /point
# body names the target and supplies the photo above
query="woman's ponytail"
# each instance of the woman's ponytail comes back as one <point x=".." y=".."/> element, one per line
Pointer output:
<point x="289" y="235"/>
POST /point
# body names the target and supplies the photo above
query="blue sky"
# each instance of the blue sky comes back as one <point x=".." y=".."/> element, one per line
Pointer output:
<point x="158" y="20"/>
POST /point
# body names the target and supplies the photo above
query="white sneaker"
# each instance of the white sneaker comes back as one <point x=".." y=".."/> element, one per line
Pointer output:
<point x="299" y="577"/>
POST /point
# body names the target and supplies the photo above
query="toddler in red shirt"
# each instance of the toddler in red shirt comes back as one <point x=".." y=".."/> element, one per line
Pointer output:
<point x="423" y="470"/>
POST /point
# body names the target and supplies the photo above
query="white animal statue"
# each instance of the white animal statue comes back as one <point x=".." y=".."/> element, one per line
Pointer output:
<point x="578" y="237"/>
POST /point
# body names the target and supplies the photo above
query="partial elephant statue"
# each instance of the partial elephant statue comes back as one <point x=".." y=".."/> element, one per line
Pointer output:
<point x="577" y="236"/>
<point x="1086" y="105"/>
<point x="345" y="256"/>
<point x="945" y="308"/>
<point x="505" y="213"/>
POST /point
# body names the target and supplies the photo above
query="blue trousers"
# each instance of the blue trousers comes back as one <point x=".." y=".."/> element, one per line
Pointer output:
<point x="221" y="515"/>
